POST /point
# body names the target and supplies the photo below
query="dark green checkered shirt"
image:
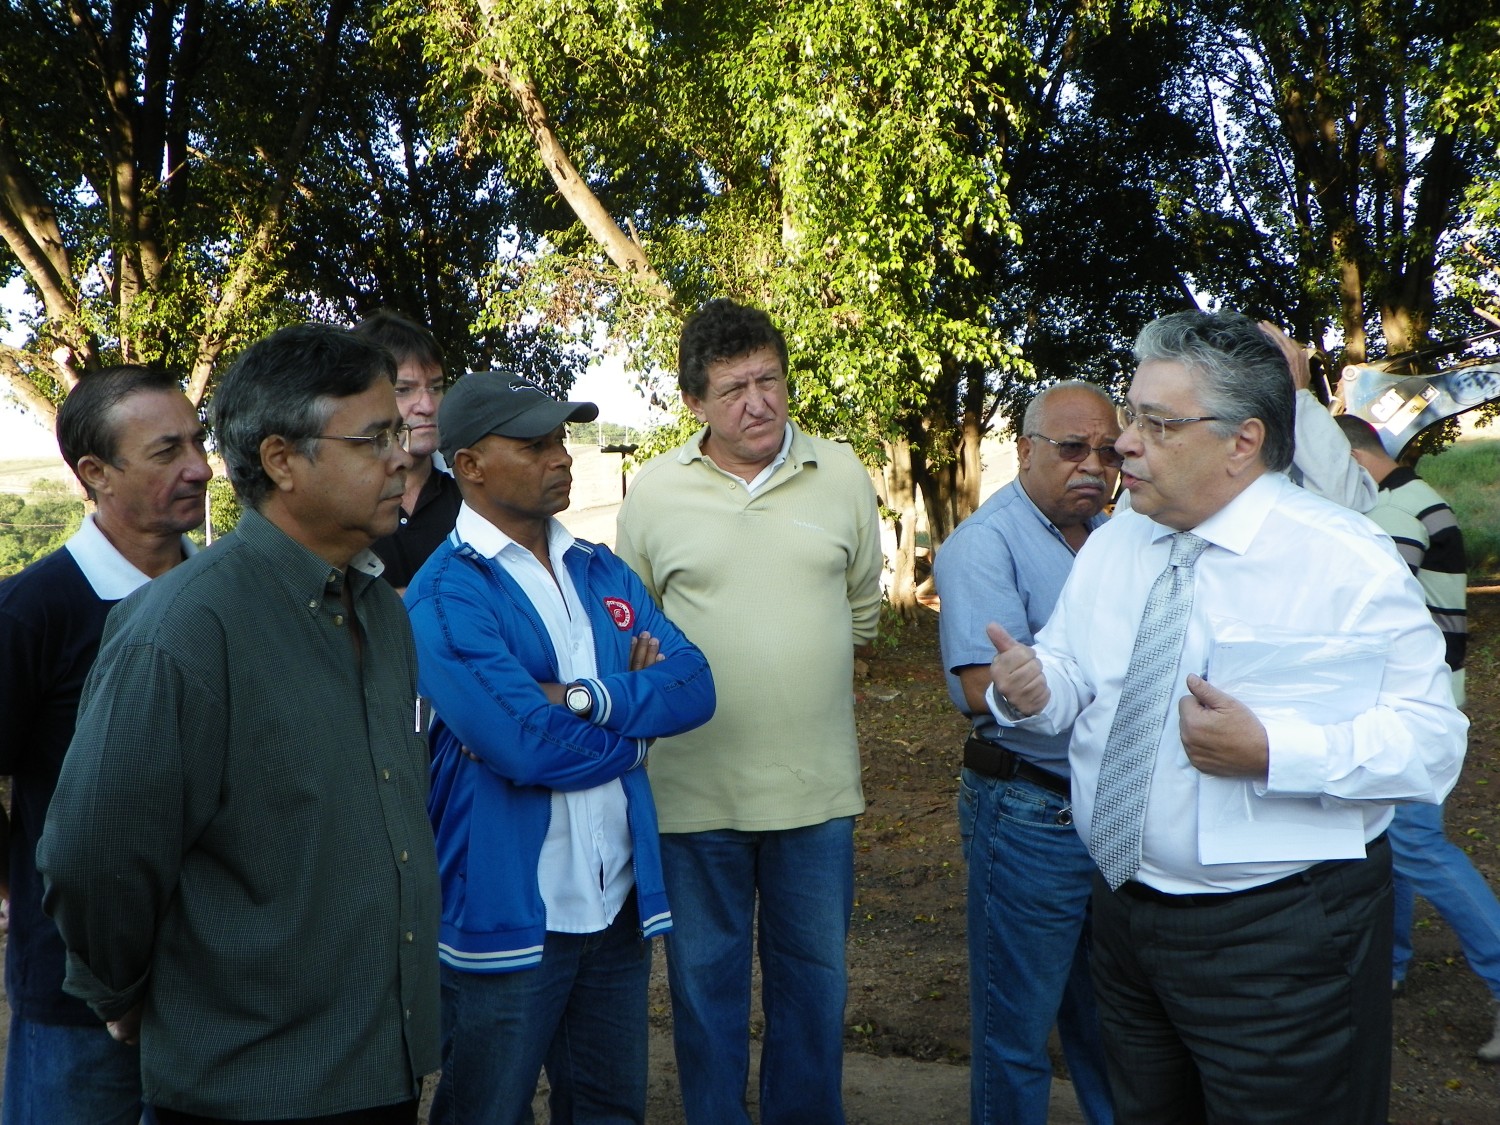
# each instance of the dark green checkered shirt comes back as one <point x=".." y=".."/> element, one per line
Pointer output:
<point x="240" y="838"/>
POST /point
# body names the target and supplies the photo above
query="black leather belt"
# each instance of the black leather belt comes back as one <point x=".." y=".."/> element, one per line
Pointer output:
<point x="1146" y="893"/>
<point x="993" y="760"/>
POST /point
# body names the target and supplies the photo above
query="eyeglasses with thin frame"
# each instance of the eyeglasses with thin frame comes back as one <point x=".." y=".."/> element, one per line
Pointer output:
<point x="381" y="441"/>
<point x="1154" y="425"/>
<point x="1076" y="451"/>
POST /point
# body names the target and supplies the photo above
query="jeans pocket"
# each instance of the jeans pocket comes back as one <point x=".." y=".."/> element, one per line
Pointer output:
<point x="968" y="803"/>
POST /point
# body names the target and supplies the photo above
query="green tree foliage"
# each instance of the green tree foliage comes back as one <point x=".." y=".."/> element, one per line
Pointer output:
<point x="223" y="506"/>
<point x="943" y="202"/>
<point x="149" y="160"/>
<point x="1358" y="140"/>
<point x="29" y="530"/>
<point x="839" y="165"/>
<point x="409" y="221"/>
<point x="177" y="177"/>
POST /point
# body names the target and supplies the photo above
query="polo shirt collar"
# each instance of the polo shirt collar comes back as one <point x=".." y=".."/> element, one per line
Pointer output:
<point x="432" y="487"/>
<point x="109" y="574"/>
<point x="1401" y="474"/>
<point x="797" y="447"/>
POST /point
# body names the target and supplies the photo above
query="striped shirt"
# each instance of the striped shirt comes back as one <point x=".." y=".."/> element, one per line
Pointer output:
<point x="1428" y="536"/>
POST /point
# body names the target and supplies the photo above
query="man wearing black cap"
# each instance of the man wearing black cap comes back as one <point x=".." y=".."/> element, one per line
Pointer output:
<point x="550" y="669"/>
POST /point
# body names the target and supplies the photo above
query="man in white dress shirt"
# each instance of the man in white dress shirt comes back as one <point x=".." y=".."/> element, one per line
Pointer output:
<point x="1241" y="961"/>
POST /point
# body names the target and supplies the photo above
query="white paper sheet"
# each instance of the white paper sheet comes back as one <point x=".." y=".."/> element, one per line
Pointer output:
<point x="1279" y="674"/>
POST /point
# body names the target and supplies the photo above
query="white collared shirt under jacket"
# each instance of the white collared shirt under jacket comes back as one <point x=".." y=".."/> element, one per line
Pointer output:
<point x="584" y="871"/>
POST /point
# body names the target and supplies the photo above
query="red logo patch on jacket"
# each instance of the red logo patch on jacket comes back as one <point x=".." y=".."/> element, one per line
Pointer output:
<point x="621" y="611"/>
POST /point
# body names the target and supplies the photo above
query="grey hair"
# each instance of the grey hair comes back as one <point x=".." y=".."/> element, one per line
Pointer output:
<point x="289" y="384"/>
<point x="1032" y="419"/>
<point x="1240" y="372"/>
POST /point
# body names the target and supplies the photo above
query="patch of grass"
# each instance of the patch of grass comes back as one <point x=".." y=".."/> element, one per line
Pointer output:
<point x="1467" y="474"/>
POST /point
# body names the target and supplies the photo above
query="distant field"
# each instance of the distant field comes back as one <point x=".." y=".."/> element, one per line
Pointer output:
<point x="1467" y="475"/>
<point x="19" y="476"/>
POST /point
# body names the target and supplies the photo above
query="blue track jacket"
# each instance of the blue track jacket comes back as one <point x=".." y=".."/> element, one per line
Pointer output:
<point x="482" y="651"/>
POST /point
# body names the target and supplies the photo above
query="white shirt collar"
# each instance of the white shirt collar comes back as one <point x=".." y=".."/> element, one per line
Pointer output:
<point x="489" y="540"/>
<point x="110" y="574"/>
<point x="765" y="474"/>
<point x="1235" y="525"/>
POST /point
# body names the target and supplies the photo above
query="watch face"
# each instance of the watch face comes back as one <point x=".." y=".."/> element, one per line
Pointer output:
<point x="579" y="700"/>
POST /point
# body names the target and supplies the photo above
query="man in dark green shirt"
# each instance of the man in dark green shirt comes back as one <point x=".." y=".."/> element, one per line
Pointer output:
<point x="238" y="855"/>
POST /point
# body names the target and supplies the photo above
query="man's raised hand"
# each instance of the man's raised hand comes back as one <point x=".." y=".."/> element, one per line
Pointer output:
<point x="1298" y="357"/>
<point x="1017" y="673"/>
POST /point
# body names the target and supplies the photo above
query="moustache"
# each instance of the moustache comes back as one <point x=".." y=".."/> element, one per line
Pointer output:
<point x="1087" y="482"/>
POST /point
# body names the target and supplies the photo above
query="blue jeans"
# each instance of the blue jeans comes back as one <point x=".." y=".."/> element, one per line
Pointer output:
<point x="804" y="878"/>
<point x="1426" y="863"/>
<point x="581" y="1014"/>
<point x="1030" y="878"/>
<point x="55" y="1074"/>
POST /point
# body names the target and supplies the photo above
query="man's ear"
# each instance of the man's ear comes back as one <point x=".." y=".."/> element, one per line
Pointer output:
<point x="92" y="473"/>
<point x="1024" y="447"/>
<point x="695" y="406"/>
<point x="276" y="454"/>
<point x="468" y="466"/>
<point x="1248" y="441"/>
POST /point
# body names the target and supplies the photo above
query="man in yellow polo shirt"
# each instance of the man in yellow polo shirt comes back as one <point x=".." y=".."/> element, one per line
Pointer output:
<point x="761" y="543"/>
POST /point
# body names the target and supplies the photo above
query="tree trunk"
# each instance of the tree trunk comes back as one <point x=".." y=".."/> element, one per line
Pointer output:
<point x="901" y="497"/>
<point x="28" y="223"/>
<point x="250" y="268"/>
<point x="13" y="368"/>
<point x="945" y="450"/>
<point x="1351" y="296"/>
<point x="623" y="250"/>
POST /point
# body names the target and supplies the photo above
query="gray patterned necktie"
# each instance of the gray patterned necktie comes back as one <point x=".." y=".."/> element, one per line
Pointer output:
<point x="1130" y="750"/>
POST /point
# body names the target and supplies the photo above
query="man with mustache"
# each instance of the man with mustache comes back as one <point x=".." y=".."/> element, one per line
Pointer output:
<point x="550" y="670"/>
<point x="1029" y="873"/>
<point x="430" y="503"/>
<point x="135" y="443"/>
<point x="238" y="855"/>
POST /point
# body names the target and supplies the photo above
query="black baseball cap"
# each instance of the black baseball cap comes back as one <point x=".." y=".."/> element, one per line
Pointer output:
<point x="492" y="402"/>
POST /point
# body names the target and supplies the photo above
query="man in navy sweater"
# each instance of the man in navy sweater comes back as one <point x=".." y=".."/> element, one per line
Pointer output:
<point x="135" y="443"/>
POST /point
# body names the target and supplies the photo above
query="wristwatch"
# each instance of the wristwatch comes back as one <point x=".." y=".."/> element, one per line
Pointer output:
<point x="1002" y="707"/>
<point x="579" y="700"/>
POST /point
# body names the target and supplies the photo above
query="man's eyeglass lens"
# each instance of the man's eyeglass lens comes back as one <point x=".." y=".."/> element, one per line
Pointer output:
<point x="381" y="442"/>
<point x="1079" y="451"/>
<point x="1154" y="424"/>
